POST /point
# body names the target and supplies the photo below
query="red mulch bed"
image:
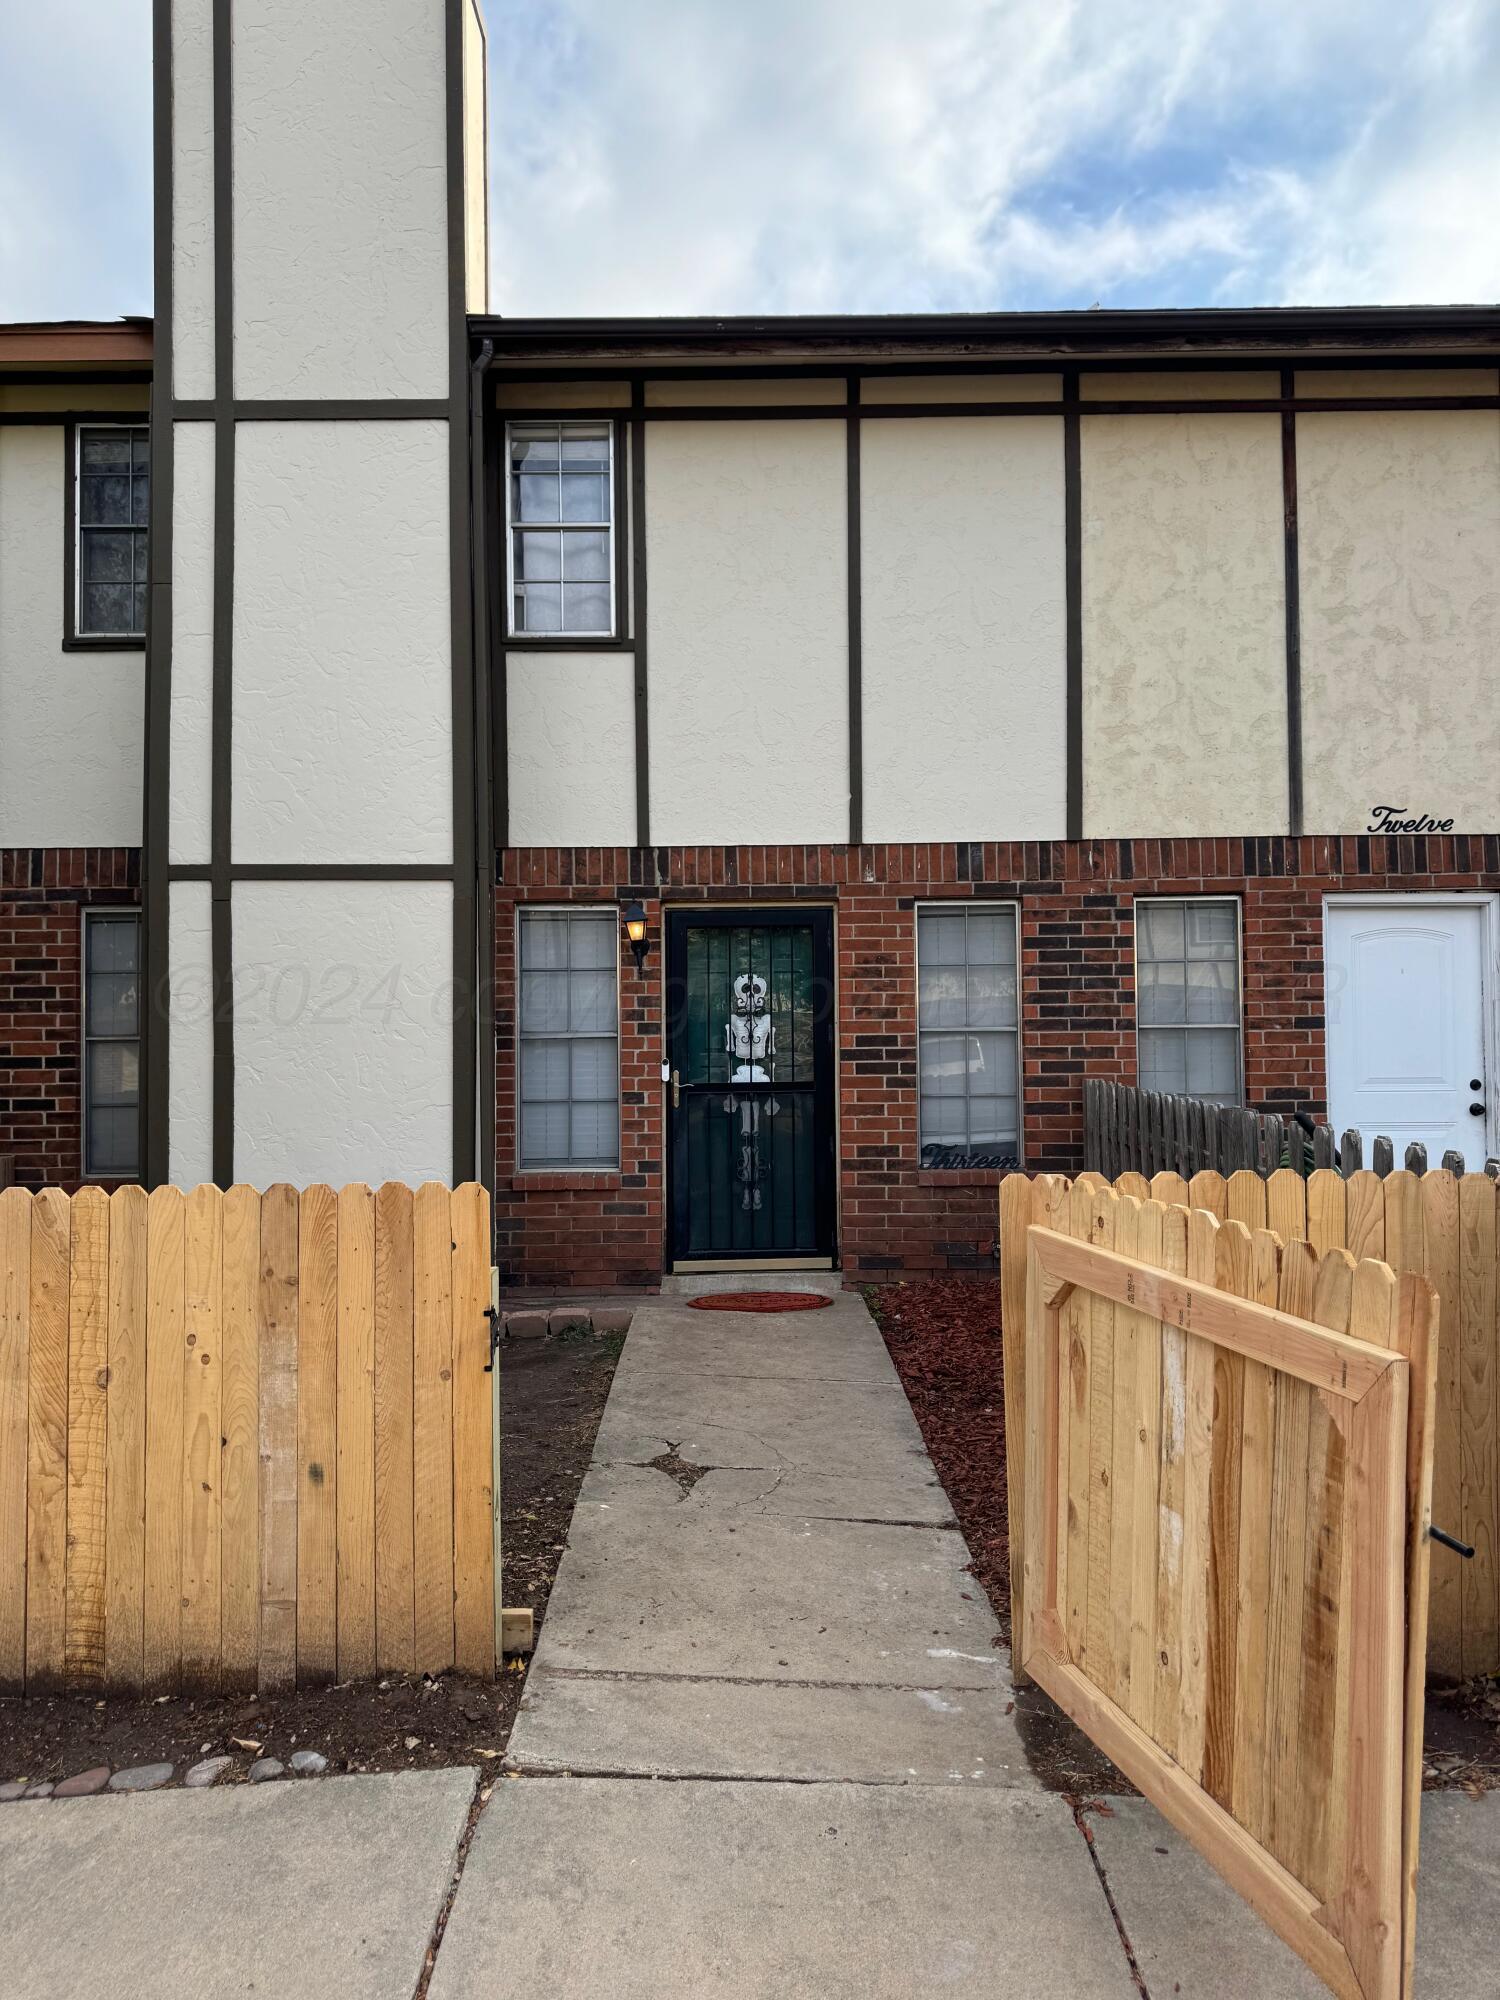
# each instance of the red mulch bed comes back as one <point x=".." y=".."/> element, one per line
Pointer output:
<point x="944" y="1337"/>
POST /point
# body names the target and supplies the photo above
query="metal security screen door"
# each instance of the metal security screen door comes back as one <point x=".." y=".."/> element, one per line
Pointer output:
<point x="750" y="1101"/>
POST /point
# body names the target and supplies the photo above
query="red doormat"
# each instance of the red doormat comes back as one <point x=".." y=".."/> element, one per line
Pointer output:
<point x="760" y="1302"/>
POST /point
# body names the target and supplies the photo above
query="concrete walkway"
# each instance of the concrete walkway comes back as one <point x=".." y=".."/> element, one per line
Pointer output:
<point x="764" y="1603"/>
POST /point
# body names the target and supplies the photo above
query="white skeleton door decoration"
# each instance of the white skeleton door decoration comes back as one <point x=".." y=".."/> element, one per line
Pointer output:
<point x="750" y="1043"/>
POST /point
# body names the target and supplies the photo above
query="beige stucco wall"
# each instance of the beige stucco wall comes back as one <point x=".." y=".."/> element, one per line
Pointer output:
<point x="190" y="1134"/>
<point x="476" y="165"/>
<point x="746" y="530"/>
<point x="190" y="806"/>
<point x="1181" y="385"/>
<point x="960" y="389"/>
<point x="342" y="641"/>
<point x="1398" y="382"/>
<point x="571" y="749"/>
<point x="340" y="199"/>
<point x="561" y="395"/>
<point x="746" y="391"/>
<point x="70" y="722"/>
<point x="1184" y="656"/>
<point x="1399" y="533"/>
<point x="132" y="398"/>
<point x="964" y="641"/>
<point x="192" y="200"/>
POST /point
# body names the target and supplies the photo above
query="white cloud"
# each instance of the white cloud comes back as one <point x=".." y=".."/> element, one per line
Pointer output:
<point x="666" y="156"/>
<point x="75" y="158"/>
<point x="802" y="155"/>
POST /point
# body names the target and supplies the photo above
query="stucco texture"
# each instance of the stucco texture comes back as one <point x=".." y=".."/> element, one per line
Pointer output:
<point x="1149" y="385"/>
<point x="190" y="806"/>
<point x="343" y="1031"/>
<point x="190" y="1141"/>
<point x="570" y="740"/>
<point x="340" y="199"/>
<point x="192" y="200"/>
<point x="963" y="629"/>
<point x="960" y="389"/>
<point x="342" y="688"/>
<point x="1399" y="534"/>
<point x="70" y="723"/>
<point x="746" y="531"/>
<point x="1184" y="632"/>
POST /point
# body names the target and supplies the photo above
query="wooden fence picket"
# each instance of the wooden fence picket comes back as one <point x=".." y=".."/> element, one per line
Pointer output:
<point x="245" y="1439"/>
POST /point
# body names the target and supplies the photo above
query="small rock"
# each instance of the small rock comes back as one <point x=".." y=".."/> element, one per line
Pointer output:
<point x="412" y="1742"/>
<point x="85" y="1784"/>
<point x="43" y="1789"/>
<point x="266" y="1767"/>
<point x="141" y="1778"/>
<point x="207" y="1772"/>
<point x="308" y="1763"/>
<point x="526" y="1325"/>
<point x="612" y="1319"/>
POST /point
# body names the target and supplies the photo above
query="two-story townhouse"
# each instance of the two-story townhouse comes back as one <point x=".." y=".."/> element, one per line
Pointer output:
<point x="727" y="782"/>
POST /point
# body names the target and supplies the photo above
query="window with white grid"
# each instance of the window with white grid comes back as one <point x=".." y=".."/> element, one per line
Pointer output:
<point x="559" y="518"/>
<point x="111" y="1044"/>
<point x="1187" y="972"/>
<point x="569" y="1039"/>
<point x="968" y="1029"/>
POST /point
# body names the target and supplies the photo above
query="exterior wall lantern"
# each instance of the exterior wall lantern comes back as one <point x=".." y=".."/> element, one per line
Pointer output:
<point x="634" y="919"/>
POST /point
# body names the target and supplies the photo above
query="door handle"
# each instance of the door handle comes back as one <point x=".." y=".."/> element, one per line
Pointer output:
<point x="1476" y="1110"/>
<point x="676" y="1090"/>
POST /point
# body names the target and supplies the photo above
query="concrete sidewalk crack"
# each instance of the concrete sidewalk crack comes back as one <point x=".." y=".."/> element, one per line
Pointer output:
<point x="541" y="1675"/>
<point x="483" y="1787"/>
<point x="1081" y="1808"/>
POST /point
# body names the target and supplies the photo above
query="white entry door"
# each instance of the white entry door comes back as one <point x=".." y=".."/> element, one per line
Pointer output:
<point x="1406" y="1025"/>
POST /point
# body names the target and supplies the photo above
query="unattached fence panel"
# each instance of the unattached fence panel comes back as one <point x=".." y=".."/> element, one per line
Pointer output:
<point x="1437" y="1225"/>
<point x="245" y="1439"/>
<point x="1262" y="1394"/>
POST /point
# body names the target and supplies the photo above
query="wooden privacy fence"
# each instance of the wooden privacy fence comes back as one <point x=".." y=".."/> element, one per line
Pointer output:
<point x="245" y="1438"/>
<point x="1447" y="1229"/>
<point x="1128" y="1130"/>
<point x="1227" y="1442"/>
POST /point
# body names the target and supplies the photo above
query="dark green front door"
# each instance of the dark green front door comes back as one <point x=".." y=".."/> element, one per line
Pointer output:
<point x="750" y="1045"/>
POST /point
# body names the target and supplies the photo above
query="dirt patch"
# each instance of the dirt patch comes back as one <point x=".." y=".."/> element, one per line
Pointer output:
<point x="944" y="1337"/>
<point x="1461" y="1747"/>
<point x="552" y="1397"/>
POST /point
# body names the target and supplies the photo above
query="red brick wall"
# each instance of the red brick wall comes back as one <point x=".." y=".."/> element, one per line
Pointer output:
<point x="1077" y="1013"/>
<point x="42" y="894"/>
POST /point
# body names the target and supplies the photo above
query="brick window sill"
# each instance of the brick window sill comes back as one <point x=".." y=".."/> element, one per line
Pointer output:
<point x="540" y="1182"/>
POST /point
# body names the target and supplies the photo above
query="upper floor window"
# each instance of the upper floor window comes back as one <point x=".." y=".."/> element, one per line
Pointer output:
<point x="111" y="495"/>
<point x="559" y="520"/>
<point x="968" y="1032"/>
<point x="1187" y="959"/>
<point x="112" y="1044"/>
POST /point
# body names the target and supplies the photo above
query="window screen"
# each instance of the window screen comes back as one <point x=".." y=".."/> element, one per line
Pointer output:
<point x="1188" y="997"/>
<point x="559" y="507"/>
<point x="967" y="1031"/>
<point x="570" y="1098"/>
<point x="112" y="1045"/>
<point x="112" y="483"/>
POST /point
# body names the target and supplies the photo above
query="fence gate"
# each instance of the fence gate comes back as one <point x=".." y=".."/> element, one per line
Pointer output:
<point x="1227" y="1468"/>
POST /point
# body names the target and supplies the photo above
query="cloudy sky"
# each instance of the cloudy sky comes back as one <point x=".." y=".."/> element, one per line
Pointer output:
<point x="683" y="156"/>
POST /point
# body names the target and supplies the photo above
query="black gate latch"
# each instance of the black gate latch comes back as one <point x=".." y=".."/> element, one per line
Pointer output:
<point x="1452" y="1542"/>
<point x="494" y="1319"/>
